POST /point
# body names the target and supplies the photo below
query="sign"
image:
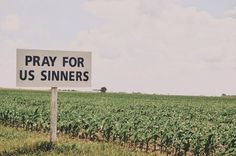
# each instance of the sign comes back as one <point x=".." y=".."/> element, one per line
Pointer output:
<point x="51" y="68"/>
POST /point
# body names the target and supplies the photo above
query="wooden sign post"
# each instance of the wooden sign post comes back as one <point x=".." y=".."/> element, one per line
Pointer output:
<point x="53" y="115"/>
<point x="53" y="68"/>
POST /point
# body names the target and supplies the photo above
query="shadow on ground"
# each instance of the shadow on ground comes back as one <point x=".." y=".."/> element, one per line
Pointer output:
<point x="39" y="147"/>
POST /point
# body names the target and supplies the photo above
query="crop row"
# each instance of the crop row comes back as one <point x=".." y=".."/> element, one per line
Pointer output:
<point x="172" y="124"/>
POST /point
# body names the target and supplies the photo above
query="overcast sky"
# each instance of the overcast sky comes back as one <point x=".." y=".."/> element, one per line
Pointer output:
<point x="150" y="46"/>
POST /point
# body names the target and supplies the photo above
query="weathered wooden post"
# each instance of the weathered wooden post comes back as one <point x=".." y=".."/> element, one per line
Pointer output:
<point x="53" y="115"/>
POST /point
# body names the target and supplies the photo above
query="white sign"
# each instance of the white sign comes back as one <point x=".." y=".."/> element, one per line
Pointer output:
<point x="51" y="68"/>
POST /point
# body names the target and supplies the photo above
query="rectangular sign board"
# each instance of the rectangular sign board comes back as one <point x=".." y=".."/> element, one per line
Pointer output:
<point x="52" y="68"/>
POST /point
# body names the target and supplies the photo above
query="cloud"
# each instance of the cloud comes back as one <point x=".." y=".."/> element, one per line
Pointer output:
<point x="159" y="46"/>
<point x="172" y="29"/>
<point x="231" y="13"/>
<point x="8" y="60"/>
<point x="154" y="46"/>
<point x="10" y="23"/>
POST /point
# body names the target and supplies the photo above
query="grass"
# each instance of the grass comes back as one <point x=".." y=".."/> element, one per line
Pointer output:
<point x="20" y="142"/>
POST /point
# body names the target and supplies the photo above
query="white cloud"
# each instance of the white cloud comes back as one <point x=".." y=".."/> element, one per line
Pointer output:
<point x="160" y="46"/>
<point x="8" y="61"/>
<point x="231" y="12"/>
<point x="149" y="46"/>
<point x="10" y="23"/>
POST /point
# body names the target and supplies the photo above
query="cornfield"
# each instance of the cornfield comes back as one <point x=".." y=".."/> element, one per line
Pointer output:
<point x="176" y="125"/>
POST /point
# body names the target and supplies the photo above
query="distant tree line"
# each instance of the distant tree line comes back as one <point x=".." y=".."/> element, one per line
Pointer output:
<point x="102" y="89"/>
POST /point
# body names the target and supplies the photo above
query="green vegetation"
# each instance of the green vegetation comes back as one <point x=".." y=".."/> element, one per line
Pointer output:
<point x="177" y="125"/>
<point x="19" y="142"/>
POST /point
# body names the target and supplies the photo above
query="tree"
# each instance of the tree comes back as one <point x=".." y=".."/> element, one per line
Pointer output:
<point x="223" y="94"/>
<point x="103" y="89"/>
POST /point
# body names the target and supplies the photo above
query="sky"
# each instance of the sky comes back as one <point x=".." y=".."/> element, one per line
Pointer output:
<point x="181" y="47"/>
